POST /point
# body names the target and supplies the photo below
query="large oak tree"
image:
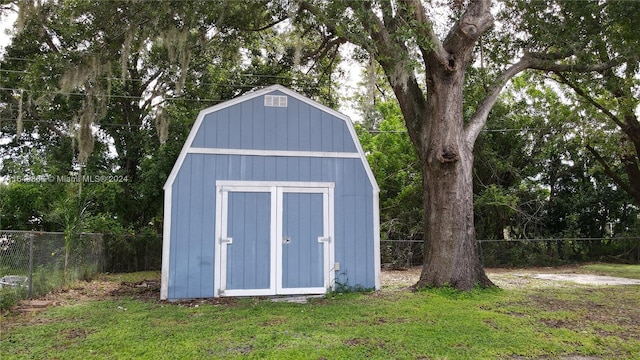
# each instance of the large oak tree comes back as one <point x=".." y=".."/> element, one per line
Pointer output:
<point x="404" y="38"/>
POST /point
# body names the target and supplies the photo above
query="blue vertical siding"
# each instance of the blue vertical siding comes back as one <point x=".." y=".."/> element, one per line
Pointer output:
<point x="251" y="125"/>
<point x="193" y="214"/>
<point x="315" y="131"/>
<point x="258" y="125"/>
<point x="304" y="125"/>
<point x="248" y="257"/>
<point x="292" y="131"/>
<point x="270" y="125"/>
<point x="302" y="257"/>
<point x="196" y="188"/>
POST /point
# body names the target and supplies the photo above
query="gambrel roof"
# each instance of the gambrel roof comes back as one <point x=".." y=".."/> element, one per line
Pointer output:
<point x="201" y="139"/>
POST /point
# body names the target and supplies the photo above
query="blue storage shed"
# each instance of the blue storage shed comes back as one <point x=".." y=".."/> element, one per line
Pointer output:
<point x="271" y="195"/>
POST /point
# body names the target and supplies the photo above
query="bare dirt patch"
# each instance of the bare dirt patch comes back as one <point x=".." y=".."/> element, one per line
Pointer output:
<point x="144" y="290"/>
<point x="514" y="278"/>
<point x="587" y="279"/>
<point x="399" y="279"/>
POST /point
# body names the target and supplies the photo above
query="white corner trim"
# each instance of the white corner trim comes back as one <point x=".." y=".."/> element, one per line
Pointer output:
<point x="216" y="244"/>
<point x="166" y="245"/>
<point x="330" y="223"/>
<point x="376" y="239"/>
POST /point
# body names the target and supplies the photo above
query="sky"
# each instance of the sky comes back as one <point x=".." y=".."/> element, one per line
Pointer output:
<point x="6" y="23"/>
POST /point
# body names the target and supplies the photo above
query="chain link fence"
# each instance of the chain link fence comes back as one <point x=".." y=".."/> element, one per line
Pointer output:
<point x="558" y="251"/>
<point x="34" y="263"/>
<point x="403" y="254"/>
<point x="132" y="252"/>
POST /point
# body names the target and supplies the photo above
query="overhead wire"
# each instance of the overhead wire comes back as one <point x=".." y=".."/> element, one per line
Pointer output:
<point x="374" y="131"/>
<point x="197" y="100"/>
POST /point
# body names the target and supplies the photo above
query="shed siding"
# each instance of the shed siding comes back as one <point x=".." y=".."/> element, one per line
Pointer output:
<point x="249" y="222"/>
<point x="251" y="125"/>
<point x="302" y="264"/>
<point x="193" y="213"/>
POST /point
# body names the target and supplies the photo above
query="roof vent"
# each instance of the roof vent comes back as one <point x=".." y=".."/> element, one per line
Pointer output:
<point x="275" y="100"/>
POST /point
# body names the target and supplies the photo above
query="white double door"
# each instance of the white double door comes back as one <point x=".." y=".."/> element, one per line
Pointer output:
<point x="273" y="238"/>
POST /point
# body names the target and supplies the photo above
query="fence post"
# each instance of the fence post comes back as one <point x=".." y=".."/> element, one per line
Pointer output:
<point x="30" y="265"/>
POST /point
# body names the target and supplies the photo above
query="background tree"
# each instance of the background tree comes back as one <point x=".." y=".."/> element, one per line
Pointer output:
<point x="103" y="88"/>
<point x="594" y="31"/>
<point x="396" y="167"/>
<point x="535" y="180"/>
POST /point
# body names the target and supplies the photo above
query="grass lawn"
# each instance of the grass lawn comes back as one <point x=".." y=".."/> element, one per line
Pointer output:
<point x="628" y="271"/>
<point x="119" y="317"/>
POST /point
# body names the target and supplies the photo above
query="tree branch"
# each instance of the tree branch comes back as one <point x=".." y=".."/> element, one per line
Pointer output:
<point x="376" y="30"/>
<point x="426" y="37"/>
<point x="332" y="26"/>
<point x="592" y="101"/>
<point x="462" y="37"/>
<point x="48" y="39"/>
<point x="479" y="118"/>
<point x="402" y="79"/>
<point x="387" y="15"/>
<point x="614" y="175"/>
<point x="265" y="27"/>
<point x="534" y="61"/>
<point x="151" y="79"/>
<point x="326" y="46"/>
<point x="539" y="63"/>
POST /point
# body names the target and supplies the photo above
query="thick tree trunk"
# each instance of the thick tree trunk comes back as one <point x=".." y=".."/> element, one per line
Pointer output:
<point x="451" y="253"/>
<point x="435" y="125"/>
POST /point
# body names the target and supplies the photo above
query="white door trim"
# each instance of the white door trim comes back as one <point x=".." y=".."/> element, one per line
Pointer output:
<point x="276" y="189"/>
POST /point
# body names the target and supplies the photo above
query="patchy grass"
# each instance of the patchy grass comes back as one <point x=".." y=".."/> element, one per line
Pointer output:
<point x="119" y="316"/>
<point x="627" y="271"/>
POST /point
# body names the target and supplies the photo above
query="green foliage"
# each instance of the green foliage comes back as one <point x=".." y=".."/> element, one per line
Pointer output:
<point x="341" y="286"/>
<point x="395" y="165"/>
<point x="128" y="251"/>
<point x="10" y="296"/>
<point x="137" y="73"/>
<point x="605" y="102"/>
